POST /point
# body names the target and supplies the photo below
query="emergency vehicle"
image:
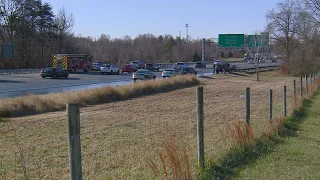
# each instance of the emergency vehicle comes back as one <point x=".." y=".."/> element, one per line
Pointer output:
<point x="73" y="62"/>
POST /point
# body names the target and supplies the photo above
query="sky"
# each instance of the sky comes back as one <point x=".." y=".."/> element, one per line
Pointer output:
<point x="206" y="18"/>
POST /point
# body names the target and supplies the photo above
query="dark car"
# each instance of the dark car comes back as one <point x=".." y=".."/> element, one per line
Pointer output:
<point x="152" y="67"/>
<point x="233" y="68"/>
<point x="138" y="64"/>
<point x="222" y="67"/>
<point x="54" y="72"/>
<point x="188" y="70"/>
<point x="200" y="64"/>
<point x="129" y="68"/>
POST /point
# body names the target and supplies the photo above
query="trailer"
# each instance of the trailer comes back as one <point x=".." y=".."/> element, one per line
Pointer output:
<point x="73" y="62"/>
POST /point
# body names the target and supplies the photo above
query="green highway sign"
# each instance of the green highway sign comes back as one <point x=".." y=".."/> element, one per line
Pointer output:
<point x="231" y="40"/>
<point x="258" y="40"/>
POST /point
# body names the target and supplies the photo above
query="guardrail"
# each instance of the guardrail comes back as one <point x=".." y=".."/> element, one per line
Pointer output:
<point x="19" y="71"/>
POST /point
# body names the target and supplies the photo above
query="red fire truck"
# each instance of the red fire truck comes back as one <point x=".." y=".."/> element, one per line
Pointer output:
<point x="73" y="62"/>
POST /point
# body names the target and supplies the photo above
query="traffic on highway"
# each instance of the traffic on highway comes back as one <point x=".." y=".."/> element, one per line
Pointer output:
<point x="54" y="80"/>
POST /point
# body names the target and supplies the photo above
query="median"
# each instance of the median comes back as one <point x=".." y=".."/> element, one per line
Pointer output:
<point x="36" y="104"/>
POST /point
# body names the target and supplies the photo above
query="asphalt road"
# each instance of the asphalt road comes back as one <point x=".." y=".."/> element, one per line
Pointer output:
<point x="23" y="84"/>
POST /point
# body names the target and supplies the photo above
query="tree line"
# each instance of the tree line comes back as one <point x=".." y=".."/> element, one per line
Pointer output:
<point x="37" y="33"/>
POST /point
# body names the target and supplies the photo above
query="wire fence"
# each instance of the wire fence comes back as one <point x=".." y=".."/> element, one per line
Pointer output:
<point x="119" y="146"/>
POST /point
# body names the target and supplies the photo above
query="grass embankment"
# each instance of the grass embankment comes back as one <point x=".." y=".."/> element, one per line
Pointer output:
<point x="297" y="156"/>
<point x="35" y="104"/>
<point x="286" y="150"/>
<point x="119" y="138"/>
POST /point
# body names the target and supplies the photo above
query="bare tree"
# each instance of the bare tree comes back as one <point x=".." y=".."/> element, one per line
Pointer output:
<point x="9" y="17"/>
<point x="64" y="23"/>
<point x="283" y="26"/>
<point x="258" y="44"/>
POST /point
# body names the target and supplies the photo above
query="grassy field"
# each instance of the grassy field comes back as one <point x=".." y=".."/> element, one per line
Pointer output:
<point x="297" y="157"/>
<point x="36" y="104"/>
<point x="119" y="138"/>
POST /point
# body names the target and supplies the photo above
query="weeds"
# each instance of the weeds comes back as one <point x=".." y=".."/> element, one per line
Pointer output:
<point x="35" y="104"/>
<point x="241" y="134"/>
<point x="174" y="162"/>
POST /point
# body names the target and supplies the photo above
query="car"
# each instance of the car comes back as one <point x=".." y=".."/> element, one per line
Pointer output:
<point x="222" y="67"/>
<point x="152" y="67"/>
<point x="54" y="72"/>
<point x="170" y="73"/>
<point x="188" y="71"/>
<point x="96" y="66"/>
<point x="109" y="69"/>
<point x="138" y="64"/>
<point x="143" y="74"/>
<point x="233" y="68"/>
<point x="179" y="65"/>
<point x="129" y="68"/>
<point x="200" y="64"/>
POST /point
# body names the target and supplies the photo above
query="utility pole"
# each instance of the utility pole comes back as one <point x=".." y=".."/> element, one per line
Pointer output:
<point x="180" y="34"/>
<point x="203" y="49"/>
<point x="187" y="25"/>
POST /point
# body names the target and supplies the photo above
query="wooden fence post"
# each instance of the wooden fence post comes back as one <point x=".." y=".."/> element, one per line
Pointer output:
<point x="301" y="87"/>
<point x="314" y="79"/>
<point x="270" y="105"/>
<point x="75" y="165"/>
<point x="310" y="76"/>
<point x="294" y="89"/>
<point x="307" y="85"/>
<point x="285" y="101"/>
<point x="200" y="126"/>
<point x="248" y="106"/>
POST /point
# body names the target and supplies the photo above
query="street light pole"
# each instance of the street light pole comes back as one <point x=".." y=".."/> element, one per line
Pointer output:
<point x="187" y="25"/>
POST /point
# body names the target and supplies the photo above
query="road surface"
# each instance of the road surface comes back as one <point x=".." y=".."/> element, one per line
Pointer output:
<point x="24" y="84"/>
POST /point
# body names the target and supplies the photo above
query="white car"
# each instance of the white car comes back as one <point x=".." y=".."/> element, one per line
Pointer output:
<point x="96" y="66"/>
<point x="109" y="69"/>
<point x="143" y="74"/>
<point x="170" y="73"/>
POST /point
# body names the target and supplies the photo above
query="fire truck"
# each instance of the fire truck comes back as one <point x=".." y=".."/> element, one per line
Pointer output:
<point x="73" y="62"/>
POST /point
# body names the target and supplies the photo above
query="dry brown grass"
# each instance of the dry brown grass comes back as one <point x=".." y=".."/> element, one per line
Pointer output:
<point x="174" y="161"/>
<point x="118" y="137"/>
<point x="36" y="104"/>
<point x="241" y="134"/>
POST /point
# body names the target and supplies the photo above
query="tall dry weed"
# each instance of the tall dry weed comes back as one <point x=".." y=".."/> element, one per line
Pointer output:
<point x="240" y="133"/>
<point x="297" y="102"/>
<point x="173" y="161"/>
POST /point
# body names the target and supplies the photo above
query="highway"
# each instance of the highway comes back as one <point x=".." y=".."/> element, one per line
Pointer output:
<point x="23" y="84"/>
